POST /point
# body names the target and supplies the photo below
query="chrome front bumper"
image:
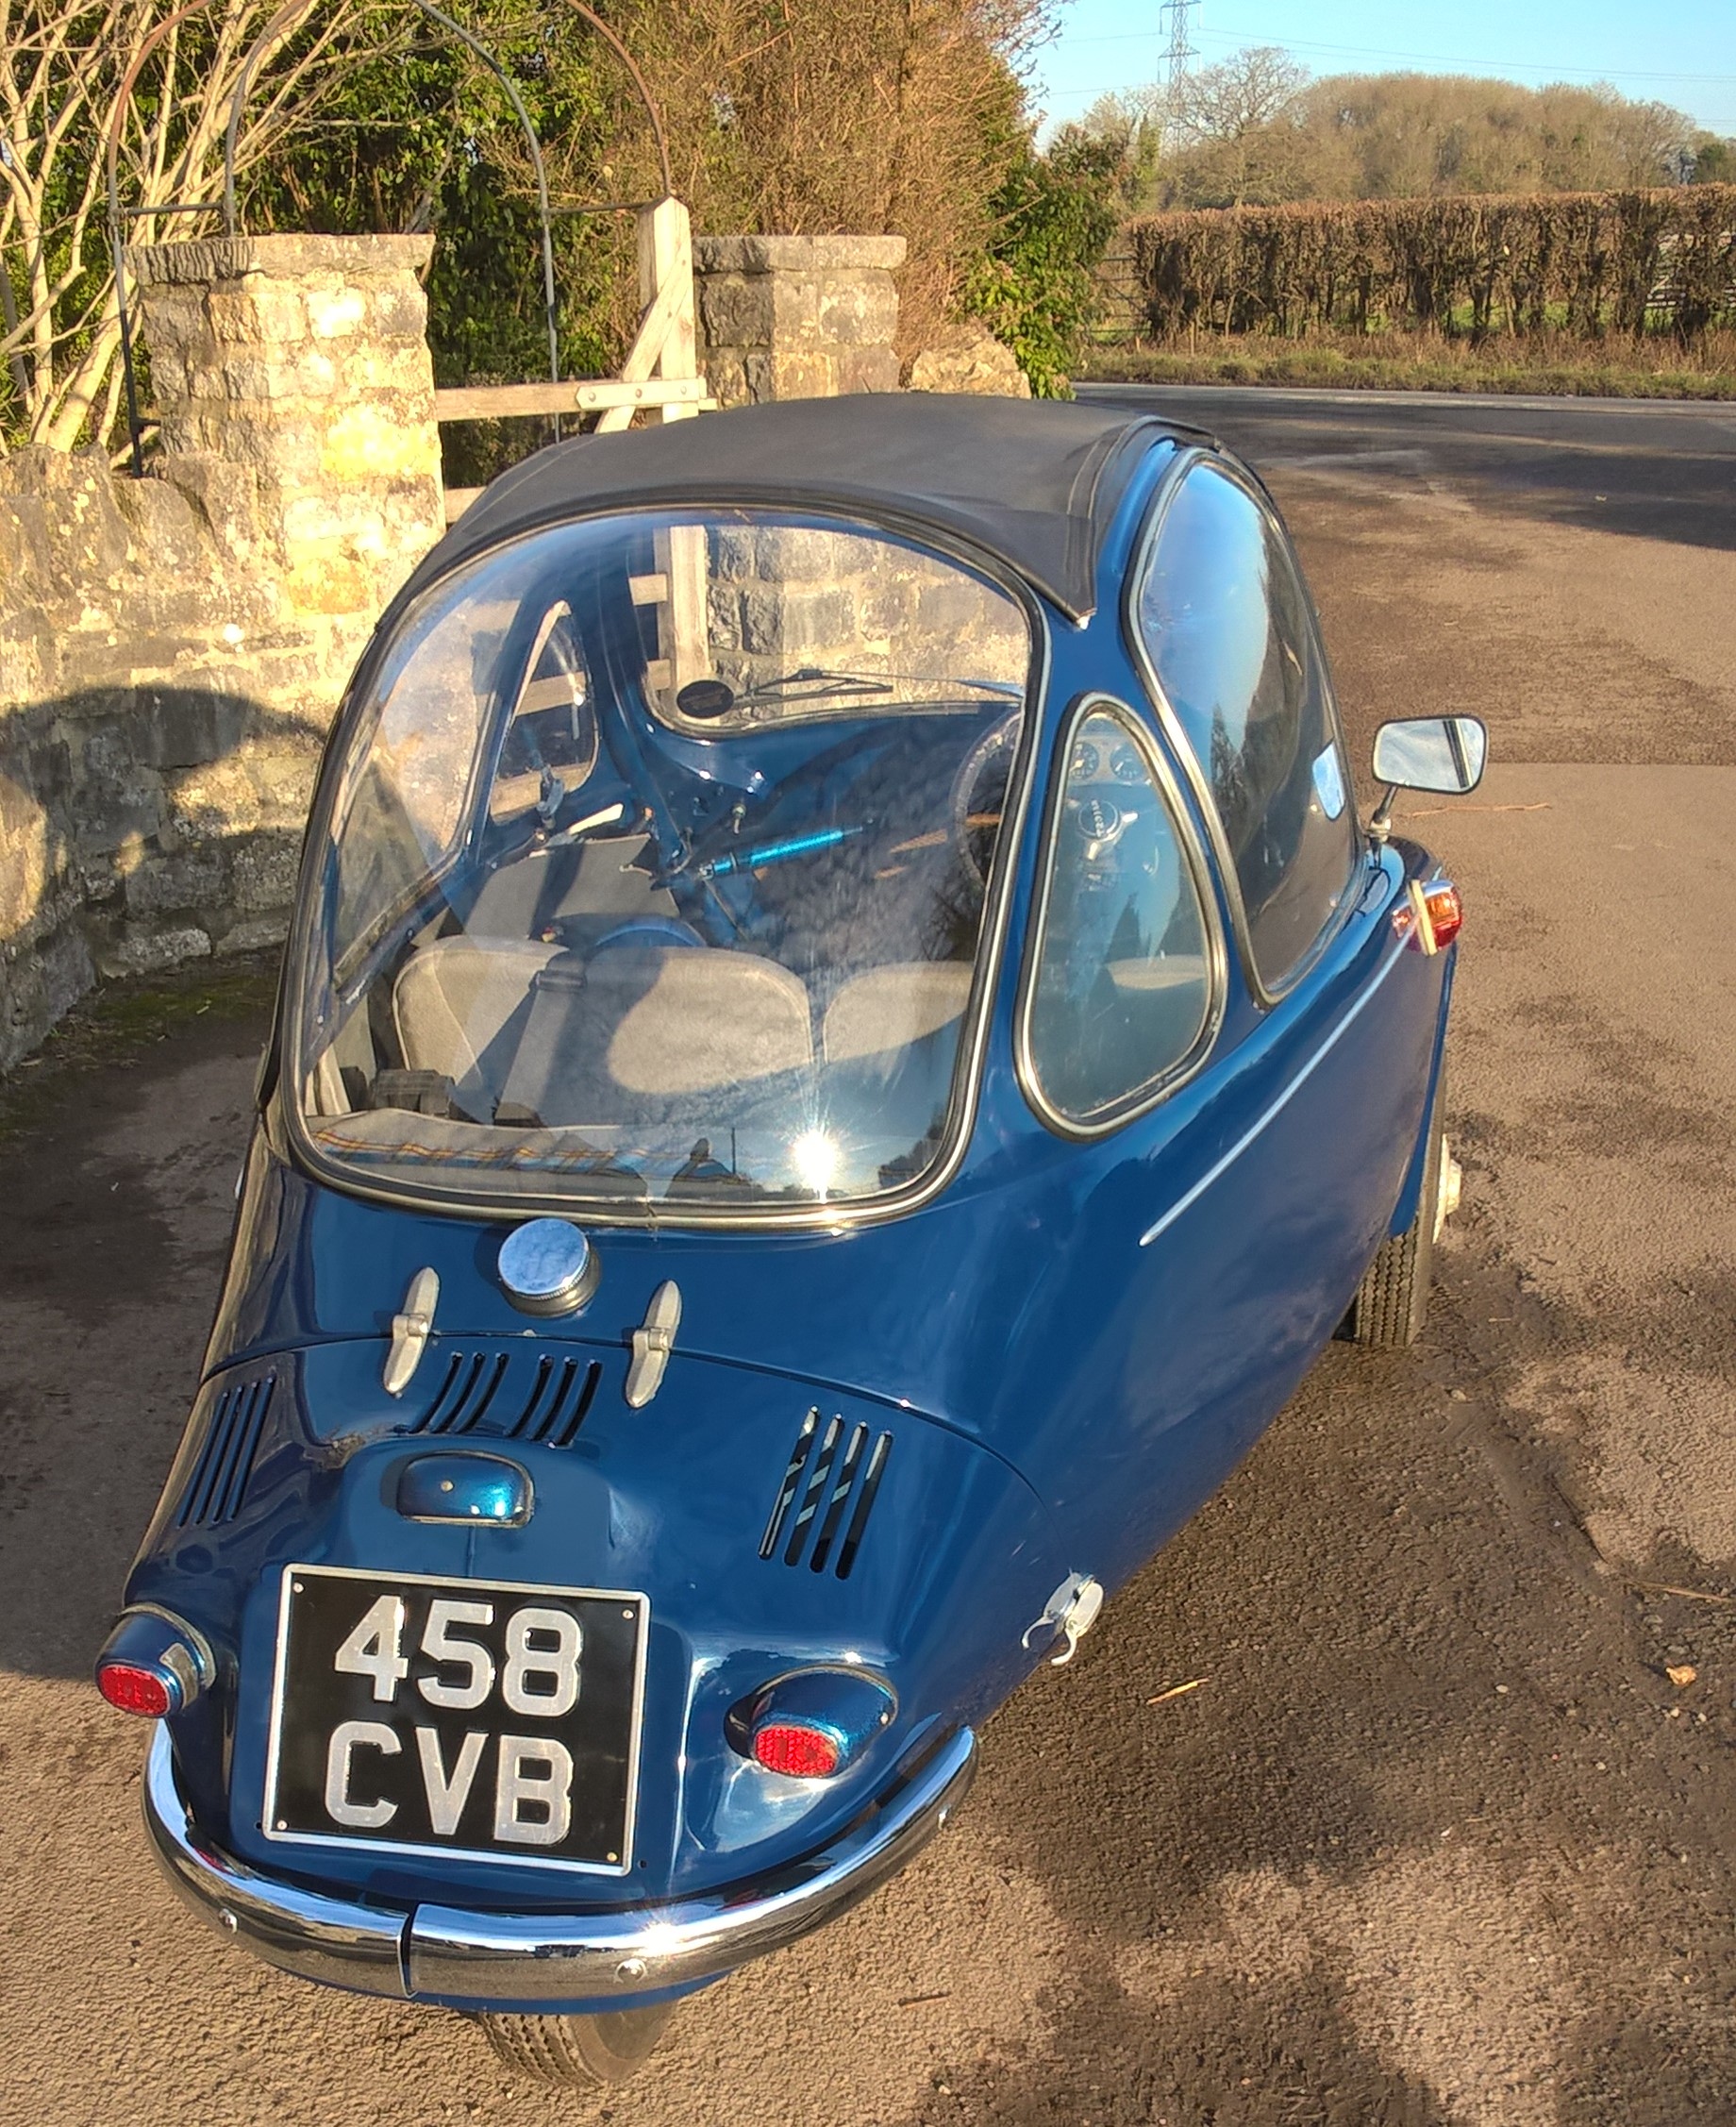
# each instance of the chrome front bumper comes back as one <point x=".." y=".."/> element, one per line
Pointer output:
<point x="530" y="1961"/>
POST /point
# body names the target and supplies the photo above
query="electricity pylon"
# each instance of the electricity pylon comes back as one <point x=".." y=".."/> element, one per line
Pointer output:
<point x="1181" y="55"/>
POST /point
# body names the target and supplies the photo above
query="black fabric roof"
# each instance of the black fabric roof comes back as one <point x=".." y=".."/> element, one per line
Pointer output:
<point x="1034" y="482"/>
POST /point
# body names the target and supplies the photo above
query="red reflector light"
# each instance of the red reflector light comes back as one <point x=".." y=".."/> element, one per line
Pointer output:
<point x="794" y="1748"/>
<point x="134" y="1689"/>
<point x="1446" y="911"/>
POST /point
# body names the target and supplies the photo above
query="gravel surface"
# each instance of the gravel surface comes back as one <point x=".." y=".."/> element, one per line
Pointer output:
<point x="1436" y="1839"/>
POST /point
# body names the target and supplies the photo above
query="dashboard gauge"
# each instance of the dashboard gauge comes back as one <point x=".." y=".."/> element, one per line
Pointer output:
<point x="1126" y="765"/>
<point x="1087" y="762"/>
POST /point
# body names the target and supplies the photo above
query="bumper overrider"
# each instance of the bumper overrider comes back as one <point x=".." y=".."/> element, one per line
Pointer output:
<point x="529" y="1961"/>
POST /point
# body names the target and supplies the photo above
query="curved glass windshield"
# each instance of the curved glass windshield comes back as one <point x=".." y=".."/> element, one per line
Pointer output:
<point x="658" y="868"/>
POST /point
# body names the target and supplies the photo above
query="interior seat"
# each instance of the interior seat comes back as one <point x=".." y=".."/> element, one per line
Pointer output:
<point x="892" y="1008"/>
<point x="640" y="1025"/>
<point x="452" y="1004"/>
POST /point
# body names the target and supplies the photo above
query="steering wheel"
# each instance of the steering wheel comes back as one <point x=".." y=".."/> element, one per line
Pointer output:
<point x="979" y="795"/>
<point x="1099" y="822"/>
<point x="649" y="930"/>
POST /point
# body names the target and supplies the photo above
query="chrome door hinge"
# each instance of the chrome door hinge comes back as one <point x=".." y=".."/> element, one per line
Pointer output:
<point x="409" y="1331"/>
<point x="653" y="1342"/>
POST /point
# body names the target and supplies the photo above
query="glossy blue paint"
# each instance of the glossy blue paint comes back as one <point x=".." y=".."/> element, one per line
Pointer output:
<point x="1068" y="1347"/>
<point x="466" y="1488"/>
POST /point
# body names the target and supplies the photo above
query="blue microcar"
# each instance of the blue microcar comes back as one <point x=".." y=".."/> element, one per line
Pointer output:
<point x="842" y="1051"/>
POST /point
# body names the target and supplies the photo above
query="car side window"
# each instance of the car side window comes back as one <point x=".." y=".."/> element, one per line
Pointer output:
<point x="1120" y="990"/>
<point x="1223" y="620"/>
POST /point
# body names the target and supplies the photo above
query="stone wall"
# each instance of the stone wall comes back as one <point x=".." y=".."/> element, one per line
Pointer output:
<point x="805" y="317"/>
<point x="172" y="649"/>
<point x="797" y="317"/>
<point x="780" y="597"/>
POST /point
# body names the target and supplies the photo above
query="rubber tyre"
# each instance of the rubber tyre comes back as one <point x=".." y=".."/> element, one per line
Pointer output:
<point x="577" y="2053"/>
<point x="1391" y="1308"/>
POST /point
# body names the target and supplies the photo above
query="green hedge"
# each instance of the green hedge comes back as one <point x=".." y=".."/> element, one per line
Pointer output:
<point x="1594" y="262"/>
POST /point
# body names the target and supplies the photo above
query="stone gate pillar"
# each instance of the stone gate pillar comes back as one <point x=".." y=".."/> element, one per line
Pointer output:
<point x="797" y="317"/>
<point x="294" y="386"/>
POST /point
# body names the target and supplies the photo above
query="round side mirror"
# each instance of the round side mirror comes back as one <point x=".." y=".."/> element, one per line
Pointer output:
<point x="1437" y="753"/>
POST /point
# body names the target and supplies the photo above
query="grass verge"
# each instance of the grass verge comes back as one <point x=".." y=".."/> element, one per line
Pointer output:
<point x="1552" y="366"/>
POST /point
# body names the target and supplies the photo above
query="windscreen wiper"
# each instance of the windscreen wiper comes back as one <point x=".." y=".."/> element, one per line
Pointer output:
<point x="819" y="682"/>
<point x="822" y="680"/>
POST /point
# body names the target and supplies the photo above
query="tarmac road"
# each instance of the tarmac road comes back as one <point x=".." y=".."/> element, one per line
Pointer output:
<point x="1436" y="1839"/>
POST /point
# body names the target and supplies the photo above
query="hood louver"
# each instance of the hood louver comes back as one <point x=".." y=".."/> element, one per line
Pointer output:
<point x="476" y="1395"/>
<point x="218" y="1482"/>
<point x="829" y="1490"/>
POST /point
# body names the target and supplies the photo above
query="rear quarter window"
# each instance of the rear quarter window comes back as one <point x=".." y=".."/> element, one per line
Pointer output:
<point x="1123" y="986"/>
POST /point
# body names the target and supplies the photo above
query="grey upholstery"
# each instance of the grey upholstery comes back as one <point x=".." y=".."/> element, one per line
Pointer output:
<point x="687" y="1020"/>
<point x="452" y="1001"/>
<point x="894" y="1007"/>
<point x="637" y="1026"/>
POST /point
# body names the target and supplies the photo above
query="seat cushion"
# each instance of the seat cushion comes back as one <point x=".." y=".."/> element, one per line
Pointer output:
<point x="687" y="1021"/>
<point x="894" y="1007"/>
<point x="637" y="1028"/>
<point x="452" y="1001"/>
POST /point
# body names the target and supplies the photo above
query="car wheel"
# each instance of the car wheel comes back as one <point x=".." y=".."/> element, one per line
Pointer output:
<point x="1391" y="1303"/>
<point x="578" y="2052"/>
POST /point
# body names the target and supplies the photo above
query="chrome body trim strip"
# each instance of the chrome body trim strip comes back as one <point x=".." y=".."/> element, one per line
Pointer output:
<point x="1284" y="1100"/>
<point x="456" y="1955"/>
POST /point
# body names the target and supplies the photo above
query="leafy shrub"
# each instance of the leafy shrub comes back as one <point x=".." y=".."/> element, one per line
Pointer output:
<point x="1592" y="262"/>
<point x="1032" y="285"/>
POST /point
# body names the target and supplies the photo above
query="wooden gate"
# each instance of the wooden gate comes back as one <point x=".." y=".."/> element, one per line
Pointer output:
<point x="661" y="374"/>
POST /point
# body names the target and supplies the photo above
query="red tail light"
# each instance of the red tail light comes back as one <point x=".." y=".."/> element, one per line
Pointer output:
<point x="803" y="1749"/>
<point x="134" y="1689"/>
<point x="154" y="1664"/>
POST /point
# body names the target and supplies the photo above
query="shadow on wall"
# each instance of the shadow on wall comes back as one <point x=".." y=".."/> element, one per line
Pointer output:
<point x="140" y="828"/>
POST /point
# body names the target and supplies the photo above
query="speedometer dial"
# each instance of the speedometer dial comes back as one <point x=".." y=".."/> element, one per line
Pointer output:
<point x="1087" y="761"/>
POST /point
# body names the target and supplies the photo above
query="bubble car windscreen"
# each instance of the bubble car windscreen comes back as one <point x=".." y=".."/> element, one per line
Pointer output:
<point x="658" y="867"/>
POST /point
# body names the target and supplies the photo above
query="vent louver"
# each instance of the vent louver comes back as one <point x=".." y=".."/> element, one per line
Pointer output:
<point x="475" y="1395"/>
<point x="218" y="1482"/>
<point x="827" y="1493"/>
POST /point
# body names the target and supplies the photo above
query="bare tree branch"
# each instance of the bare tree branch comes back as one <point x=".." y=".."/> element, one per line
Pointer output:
<point x="62" y="67"/>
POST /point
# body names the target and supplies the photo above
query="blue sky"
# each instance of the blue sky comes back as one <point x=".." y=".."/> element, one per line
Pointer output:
<point x="1684" y="55"/>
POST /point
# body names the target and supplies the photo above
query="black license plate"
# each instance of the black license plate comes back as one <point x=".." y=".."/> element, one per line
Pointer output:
<point x="475" y="1717"/>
